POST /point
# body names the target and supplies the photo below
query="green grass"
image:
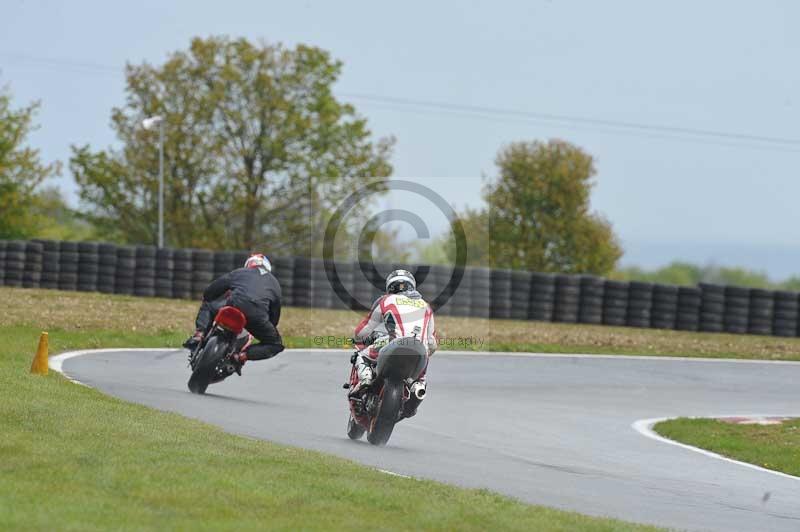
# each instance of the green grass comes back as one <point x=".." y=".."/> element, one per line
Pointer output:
<point x="774" y="447"/>
<point x="72" y="458"/>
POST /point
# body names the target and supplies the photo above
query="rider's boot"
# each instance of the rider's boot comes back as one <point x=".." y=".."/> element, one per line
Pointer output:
<point x="365" y="376"/>
<point x="239" y="359"/>
<point x="193" y="341"/>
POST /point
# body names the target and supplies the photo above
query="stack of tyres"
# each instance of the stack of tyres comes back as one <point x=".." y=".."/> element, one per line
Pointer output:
<point x="32" y="275"/>
<point x="68" y="265"/>
<point x="500" y="304"/>
<point x="521" y="282"/>
<point x="50" y="264"/>
<point x="88" y="266"/>
<point x="664" y="312"/>
<point x="283" y="270"/>
<point x="182" y="273"/>
<point x="591" y="306"/>
<point x="165" y="266"/>
<point x="202" y="271"/>
<point x="567" y="300"/>
<point x="542" y="296"/>
<point x="688" y="316"/>
<point x="737" y="309"/>
<point x="481" y="295"/>
<point x="376" y="282"/>
<point x="422" y="274"/>
<point x="14" y="263"/>
<point x="321" y="289"/>
<point x="107" y="270"/>
<point x="440" y="297"/>
<point x="640" y="304"/>
<point x="302" y="282"/>
<point x="342" y="275"/>
<point x="225" y="262"/>
<point x="362" y="289"/>
<point x="712" y="307"/>
<point x="786" y="312"/>
<point x="615" y="302"/>
<point x="762" y="305"/>
<point x="2" y="262"/>
<point x="239" y="258"/>
<point x="125" y="277"/>
<point x="461" y="299"/>
<point x="427" y="282"/>
<point x="145" y="277"/>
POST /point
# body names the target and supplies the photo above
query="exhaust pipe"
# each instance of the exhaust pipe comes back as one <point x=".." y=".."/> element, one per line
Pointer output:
<point x="418" y="390"/>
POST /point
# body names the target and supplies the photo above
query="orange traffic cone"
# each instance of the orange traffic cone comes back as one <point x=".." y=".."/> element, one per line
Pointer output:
<point x="40" y="364"/>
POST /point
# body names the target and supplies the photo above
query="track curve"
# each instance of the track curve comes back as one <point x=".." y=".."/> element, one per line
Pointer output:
<point x="552" y="430"/>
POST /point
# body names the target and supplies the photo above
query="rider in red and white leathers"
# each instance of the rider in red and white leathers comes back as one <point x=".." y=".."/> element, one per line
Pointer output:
<point x="401" y="313"/>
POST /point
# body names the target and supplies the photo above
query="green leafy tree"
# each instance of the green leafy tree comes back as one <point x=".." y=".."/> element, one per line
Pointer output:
<point x="684" y="273"/>
<point x="258" y="151"/>
<point x="58" y="221"/>
<point x="537" y="214"/>
<point x="679" y="273"/>
<point x="21" y="171"/>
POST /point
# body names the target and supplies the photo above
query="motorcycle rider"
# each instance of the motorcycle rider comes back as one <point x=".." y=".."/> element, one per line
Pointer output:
<point x="254" y="291"/>
<point x="400" y="313"/>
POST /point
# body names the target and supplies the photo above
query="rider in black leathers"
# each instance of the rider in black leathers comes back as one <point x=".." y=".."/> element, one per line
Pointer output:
<point x="257" y="293"/>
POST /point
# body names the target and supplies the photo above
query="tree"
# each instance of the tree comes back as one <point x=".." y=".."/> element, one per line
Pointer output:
<point x="258" y="151"/>
<point x="537" y="214"/>
<point x="57" y="221"/>
<point x="21" y="171"/>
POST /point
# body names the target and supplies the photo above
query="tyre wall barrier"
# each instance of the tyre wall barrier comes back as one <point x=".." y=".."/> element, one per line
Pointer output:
<point x="482" y="293"/>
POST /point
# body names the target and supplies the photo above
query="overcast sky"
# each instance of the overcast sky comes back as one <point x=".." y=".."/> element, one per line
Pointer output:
<point x="726" y="66"/>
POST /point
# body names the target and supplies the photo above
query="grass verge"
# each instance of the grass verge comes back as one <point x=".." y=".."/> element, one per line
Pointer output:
<point x="72" y="458"/>
<point x="302" y="327"/>
<point x="775" y="447"/>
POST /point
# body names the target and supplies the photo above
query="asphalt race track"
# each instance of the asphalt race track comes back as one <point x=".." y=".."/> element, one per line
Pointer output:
<point x="552" y="430"/>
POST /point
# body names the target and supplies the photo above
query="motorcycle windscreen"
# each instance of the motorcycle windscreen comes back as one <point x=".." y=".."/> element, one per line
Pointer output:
<point x="402" y="358"/>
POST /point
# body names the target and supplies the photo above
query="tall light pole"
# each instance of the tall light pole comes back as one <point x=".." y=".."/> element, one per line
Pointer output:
<point x="148" y="123"/>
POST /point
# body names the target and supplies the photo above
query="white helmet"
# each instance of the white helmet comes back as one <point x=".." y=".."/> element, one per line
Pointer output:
<point x="400" y="281"/>
<point x="257" y="260"/>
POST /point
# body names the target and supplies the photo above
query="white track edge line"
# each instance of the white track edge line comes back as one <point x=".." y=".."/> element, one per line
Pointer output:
<point x="392" y="473"/>
<point x="645" y="428"/>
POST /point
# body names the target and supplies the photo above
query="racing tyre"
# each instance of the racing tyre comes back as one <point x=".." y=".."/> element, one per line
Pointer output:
<point x="387" y="414"/>
<point x="201" y="376"/>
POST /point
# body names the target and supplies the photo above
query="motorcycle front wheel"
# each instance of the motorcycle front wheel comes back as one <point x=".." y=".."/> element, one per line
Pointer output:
<point x="207" y="360"/>
<point x="388" y="411"/>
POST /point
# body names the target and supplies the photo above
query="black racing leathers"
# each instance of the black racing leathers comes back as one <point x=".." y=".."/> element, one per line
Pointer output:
<point x="257" y="293"/>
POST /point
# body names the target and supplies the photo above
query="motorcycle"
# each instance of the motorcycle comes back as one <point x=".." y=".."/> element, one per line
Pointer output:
<point x="377" y="409"/>
<point x="212" y="360"/>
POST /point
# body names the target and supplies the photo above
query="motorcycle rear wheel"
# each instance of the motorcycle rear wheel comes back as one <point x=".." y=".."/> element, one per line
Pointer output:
<point x="388" y="411"/>
<point x="213" y="351"/>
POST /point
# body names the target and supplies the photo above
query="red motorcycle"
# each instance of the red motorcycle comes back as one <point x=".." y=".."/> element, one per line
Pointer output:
<point x="376" y="409"/>
<point x="212" y="360"/>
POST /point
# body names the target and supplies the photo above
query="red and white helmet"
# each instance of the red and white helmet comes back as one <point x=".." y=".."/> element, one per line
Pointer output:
<point x="257" y="260"/>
